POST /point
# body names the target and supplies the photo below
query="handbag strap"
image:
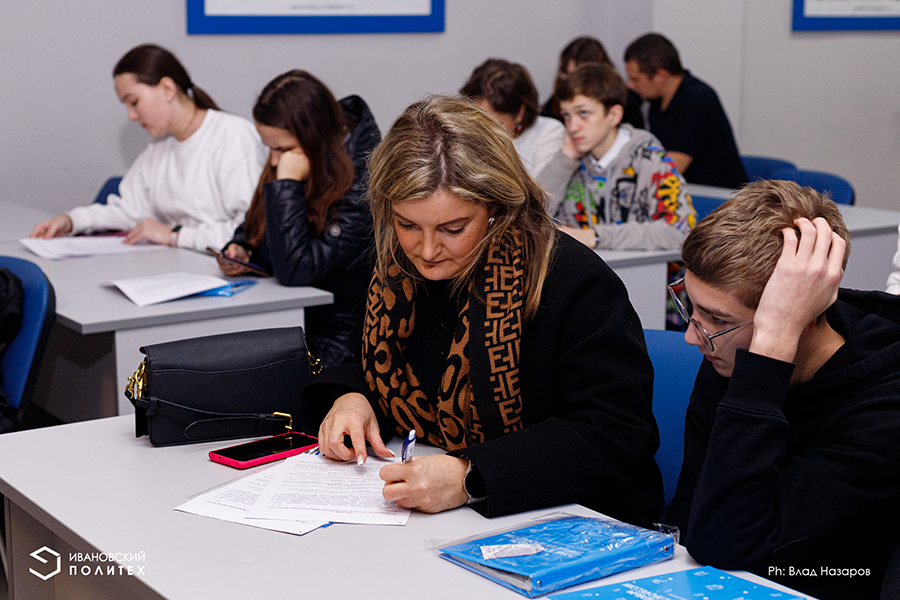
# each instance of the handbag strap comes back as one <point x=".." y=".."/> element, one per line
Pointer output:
<point x="206" y="425"/>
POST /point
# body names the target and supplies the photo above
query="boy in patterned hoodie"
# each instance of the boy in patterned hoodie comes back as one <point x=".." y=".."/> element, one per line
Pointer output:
<point x="621" y="189"/>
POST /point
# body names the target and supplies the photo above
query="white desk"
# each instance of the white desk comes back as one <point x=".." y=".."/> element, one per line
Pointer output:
<point x="92" y="487"/>
<point x="874" y="243"/>
<point x="17" y="221"/>
<point x="95" y="345"/>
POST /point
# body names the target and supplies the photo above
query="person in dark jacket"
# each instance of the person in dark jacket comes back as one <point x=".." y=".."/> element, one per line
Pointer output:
<point x="309" y="222"/>
<point x="792" y="434"/>
<point x="494" y="337"/>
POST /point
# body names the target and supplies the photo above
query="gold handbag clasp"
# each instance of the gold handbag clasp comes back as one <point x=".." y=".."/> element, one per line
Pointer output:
<point x="137" y="383"/>
<point x="290" y="425"/>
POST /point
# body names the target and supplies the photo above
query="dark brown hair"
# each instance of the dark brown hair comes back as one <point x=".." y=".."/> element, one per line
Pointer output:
<point x="301" y="104"/>
<point x="600" y="82"/>
<point x="150" y="63"/>
<point x="506" y="87"/>
<point x="581" y="50"/>
<point x="652" y="52"/>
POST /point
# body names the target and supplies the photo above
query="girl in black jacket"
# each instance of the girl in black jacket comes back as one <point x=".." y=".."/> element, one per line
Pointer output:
<point x="309" y="222"/>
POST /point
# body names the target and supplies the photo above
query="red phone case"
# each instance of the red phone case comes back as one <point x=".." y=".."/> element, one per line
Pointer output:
<point x="239" y="464"/>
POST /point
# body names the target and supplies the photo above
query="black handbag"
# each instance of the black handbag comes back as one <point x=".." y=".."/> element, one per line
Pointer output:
<point x="220" y="387"/>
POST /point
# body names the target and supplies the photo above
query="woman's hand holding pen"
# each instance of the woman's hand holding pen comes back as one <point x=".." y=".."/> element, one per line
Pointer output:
<point x="430" y="484"/>
<point x="351" y="415"/>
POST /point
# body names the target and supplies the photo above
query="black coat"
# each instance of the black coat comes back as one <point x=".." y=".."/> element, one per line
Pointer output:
<point x="589" y="435"/>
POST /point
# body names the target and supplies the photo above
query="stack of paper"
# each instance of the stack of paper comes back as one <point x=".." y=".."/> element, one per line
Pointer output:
<point x="72" y="247"/>
<point x="301" y="494"/>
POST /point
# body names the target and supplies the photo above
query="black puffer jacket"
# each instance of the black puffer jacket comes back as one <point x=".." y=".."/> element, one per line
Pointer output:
<point x="339" y="259"/>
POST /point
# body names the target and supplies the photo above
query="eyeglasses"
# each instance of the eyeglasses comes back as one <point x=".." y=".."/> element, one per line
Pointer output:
<point x="685" y="314"/>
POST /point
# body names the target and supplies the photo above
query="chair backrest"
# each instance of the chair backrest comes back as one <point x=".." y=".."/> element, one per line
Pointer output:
<point x="840" y="190"/>
<point x="110" y="186"/>
<point x="705" y="205"/>
<point x="675" y="365"/>
<point x="23" y="355"/>
<point x="763" y="167"/>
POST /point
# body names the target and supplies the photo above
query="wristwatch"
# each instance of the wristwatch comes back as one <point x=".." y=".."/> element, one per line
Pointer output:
<point x="173" y="236"/>
<point x="473" y="484"/>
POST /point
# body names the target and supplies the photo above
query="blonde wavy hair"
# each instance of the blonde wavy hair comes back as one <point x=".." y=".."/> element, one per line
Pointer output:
<point x="446" y="143"/>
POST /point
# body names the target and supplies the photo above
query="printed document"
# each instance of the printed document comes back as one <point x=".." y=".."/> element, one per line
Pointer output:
<point x="315" y="488"/>
<point x="233" y="502"/>
<point x="154" y="289"/>
<point x="73" y="247"/>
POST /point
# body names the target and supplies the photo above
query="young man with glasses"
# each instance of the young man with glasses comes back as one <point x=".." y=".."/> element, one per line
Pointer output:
<point x="792" y="437"/>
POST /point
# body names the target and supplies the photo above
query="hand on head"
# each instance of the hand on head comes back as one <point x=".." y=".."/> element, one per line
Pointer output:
<point x="54" y="227"/>
<point x="351" y="415"/>
<point x="293" y="164"/>
<point x="804" y="284"/>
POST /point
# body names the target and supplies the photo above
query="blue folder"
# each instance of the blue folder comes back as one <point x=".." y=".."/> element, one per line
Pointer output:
<point x="706" y="583"/>
<point x="575" y="550"/>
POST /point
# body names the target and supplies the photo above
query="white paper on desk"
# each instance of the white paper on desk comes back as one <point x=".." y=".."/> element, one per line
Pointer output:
<point x="315" y="488"/>
<point x="72" y="247"/>
<point x="233" y="501"/>
<point x="154" y="289"/>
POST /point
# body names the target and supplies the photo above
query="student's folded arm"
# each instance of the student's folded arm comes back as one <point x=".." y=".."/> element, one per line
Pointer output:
<point x="300" y="258"/>
<point x="748" y="508"/>
<point x="555" y="177"/>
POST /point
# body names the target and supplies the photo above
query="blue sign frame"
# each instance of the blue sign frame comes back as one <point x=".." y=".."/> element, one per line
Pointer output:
<point x="862" y="22"/>
<point x="198" y="22"/>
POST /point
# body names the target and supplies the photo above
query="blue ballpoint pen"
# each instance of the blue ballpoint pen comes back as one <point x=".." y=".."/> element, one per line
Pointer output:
<point x="409" y="445"/>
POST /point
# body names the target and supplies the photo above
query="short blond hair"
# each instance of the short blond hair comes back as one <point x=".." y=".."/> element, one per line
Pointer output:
<point x="447" y="143"/>
<point x="736" y="247"/>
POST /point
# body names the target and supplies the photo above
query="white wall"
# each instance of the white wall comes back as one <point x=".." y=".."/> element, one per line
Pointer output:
<point x="826" y="100"/>
<point x="62" y="130"/>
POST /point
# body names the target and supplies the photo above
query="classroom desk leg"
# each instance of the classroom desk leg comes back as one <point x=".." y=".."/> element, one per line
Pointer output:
<point x="128" y="342"/>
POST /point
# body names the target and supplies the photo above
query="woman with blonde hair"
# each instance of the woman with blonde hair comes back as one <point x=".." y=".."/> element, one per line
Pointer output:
<point x="493" y="336"/>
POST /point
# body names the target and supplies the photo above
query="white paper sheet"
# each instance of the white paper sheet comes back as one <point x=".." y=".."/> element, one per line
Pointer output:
<point x="315" y="488"/>
<point x="233" y="502"/>
<point x="154" y="289"/>
<point x="72" y="247"/>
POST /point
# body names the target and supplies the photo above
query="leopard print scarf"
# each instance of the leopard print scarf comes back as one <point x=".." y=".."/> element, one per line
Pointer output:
<point x="479" y="396"/>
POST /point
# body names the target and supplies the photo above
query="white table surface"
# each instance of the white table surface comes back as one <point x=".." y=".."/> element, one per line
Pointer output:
<point x="92" y="487"/>
<point x="105" y="330"/>
<point x="17" y="220"/>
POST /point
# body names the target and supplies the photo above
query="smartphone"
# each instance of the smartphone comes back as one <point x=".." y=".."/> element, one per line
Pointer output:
<point x="265" y="450"/>
<point x="247" y="265"/>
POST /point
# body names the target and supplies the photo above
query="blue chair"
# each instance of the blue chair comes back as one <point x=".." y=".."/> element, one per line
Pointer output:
<point x="763" y="167"/>
<point x="675" y="365"/>
<point x="705" y="205"/>
<point x="22" y="359"/>
<point x="840" y="190"/>
<point x="111" y="186"/>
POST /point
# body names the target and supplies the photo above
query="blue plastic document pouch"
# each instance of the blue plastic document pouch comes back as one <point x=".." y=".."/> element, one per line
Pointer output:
<point x="560" y="552"/>
<point x="706" y="583"/>
<point x="231" y="289"/>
